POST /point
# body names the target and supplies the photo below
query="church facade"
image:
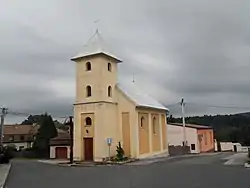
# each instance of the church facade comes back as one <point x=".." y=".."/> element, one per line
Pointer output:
<point x="107" y="112"/>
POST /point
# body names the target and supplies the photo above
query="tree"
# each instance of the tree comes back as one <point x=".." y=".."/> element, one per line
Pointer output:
<point x="46" y="132"/>
<point x="170" y="118"/>
<point x="61" y="125"/>
<point x="31" y="120"/>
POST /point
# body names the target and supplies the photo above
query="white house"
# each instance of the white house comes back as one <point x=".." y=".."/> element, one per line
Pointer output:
<point x="175" y="137"/>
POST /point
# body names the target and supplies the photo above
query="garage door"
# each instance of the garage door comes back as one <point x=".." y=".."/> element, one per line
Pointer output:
<point x="61" y="152"/>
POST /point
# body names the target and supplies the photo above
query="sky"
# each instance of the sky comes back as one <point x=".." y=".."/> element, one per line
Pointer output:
<point x="195" y="49"/>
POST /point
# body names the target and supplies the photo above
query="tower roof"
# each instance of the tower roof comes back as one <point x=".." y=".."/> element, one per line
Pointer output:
<point x="96" y="45"/>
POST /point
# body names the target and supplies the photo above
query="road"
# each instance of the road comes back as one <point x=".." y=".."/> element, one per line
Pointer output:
<point x="194" y="172"/>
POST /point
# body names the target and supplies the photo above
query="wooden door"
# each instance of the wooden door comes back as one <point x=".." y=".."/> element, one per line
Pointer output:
<point x="61" y="153"/>
<point x="88" y="149"/>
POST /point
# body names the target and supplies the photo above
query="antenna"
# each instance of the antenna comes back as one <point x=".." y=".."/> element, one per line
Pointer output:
<point x="133" y="78"/>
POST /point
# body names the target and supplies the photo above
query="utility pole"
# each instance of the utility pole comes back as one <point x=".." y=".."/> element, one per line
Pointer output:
<point x="183" y="122"/>
<point x="3" y="114"/>
<point x="71" y="128"/>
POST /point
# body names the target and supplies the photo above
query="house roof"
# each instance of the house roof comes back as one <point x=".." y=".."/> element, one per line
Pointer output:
<point x="192" y="126"/>
<point x="96" y="45"/>
<point x="20" y="129"/>
<point x="140" y="98"/>
<point x="63" y="138"/>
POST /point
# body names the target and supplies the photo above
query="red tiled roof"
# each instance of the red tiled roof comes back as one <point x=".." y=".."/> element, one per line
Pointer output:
<point x="20" y="129"/>
<point x="63" y="138"/>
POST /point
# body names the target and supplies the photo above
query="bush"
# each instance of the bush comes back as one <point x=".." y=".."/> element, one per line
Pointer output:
<point x="29" y="153"/>
<point x="10" y="151"/>
<point x="6" y="153"/>
<point x="119" y="152"/>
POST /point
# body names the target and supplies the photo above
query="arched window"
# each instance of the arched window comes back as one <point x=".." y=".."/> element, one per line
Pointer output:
<point x="110" y="91"/>
<point x="88" y="66"/>
<point x="88" y="121"/>
<point x="154" y="126"/>
<point x="109" y="67"/>
<point x="142" y="122"/>
<point x="88" y="91"/>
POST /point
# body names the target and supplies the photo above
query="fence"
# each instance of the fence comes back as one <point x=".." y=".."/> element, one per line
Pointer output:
<point x="178" y="150"/>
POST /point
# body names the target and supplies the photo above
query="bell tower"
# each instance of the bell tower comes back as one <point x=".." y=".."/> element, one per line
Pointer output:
<point x="95" y="108"/>
<point x="96" y="72"/>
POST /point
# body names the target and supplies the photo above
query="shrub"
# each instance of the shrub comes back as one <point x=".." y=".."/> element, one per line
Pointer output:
<point x="119" y="152"/>
<point x="10" y="151"/>
<point x="30" y="153"/>
<point x="6" y="153"/>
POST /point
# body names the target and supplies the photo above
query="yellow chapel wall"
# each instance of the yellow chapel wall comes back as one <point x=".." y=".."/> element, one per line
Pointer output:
<point x="104" y="126"/>
<point x="157" y="142"/>
<point x="125" y="105"/>
<point x="80" y="129"/>
<point x="99" y="78"/>
<point x="143" y="129"/>
<point x="103" y="107"/>
<point x="107" y="127"/>
<point x="156" y="132"/>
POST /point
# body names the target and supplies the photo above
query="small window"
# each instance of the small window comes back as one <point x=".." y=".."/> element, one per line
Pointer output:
<point x="109" y="67"/>
<point x="192" y="146"/>
<point x="154" y="125"/>
<point x="88" y="91"/>
<point x="88" y="66"/>
<point x="110" y="91"/>
<point x="142" y="122"/>
<point x="22" y="137"/>
<point x="88" y="121"/>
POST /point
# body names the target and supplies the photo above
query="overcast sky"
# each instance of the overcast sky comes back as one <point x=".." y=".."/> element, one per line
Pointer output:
<point x="196" y="49"/>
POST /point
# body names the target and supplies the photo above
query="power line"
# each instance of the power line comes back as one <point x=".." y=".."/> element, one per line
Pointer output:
<point x="174" y="104"/>
<point x="218" y="106"/>
<point x="10" y="112"/>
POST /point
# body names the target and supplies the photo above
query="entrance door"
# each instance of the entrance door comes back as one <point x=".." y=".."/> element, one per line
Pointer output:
<point x="88" y="149"/>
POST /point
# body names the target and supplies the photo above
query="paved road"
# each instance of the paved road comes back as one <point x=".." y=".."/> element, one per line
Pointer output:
<point x="194" y="172"/>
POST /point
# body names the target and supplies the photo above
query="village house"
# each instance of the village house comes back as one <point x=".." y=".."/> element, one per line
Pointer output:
<point x="20" y="136"/>
<point x="107" y="111"/>
<point x="199" y="138"/>
<point x="60" y="145"/>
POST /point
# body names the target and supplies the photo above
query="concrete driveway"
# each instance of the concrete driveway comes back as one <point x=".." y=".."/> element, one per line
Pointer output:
<point x="194" y="172"/>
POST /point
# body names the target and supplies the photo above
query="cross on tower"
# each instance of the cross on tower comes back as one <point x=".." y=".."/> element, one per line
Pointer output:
<point x="96" y="22"/>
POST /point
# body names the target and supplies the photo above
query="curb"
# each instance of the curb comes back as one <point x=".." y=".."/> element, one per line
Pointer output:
<point x="6" y="176"/>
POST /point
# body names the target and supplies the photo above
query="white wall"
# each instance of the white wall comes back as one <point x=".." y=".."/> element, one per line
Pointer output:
<point x="20" y="144"/>
<point x="175" y="136"/>
<point x="229" y="146"/>
<point x="243" y="149"/>
<point x="53" y="151"/>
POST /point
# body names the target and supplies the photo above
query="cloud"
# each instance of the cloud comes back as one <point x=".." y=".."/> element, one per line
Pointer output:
<point x="199" y="50"/>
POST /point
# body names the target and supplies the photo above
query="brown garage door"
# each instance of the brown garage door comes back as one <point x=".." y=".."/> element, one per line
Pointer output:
<point x="61" y="152"/>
